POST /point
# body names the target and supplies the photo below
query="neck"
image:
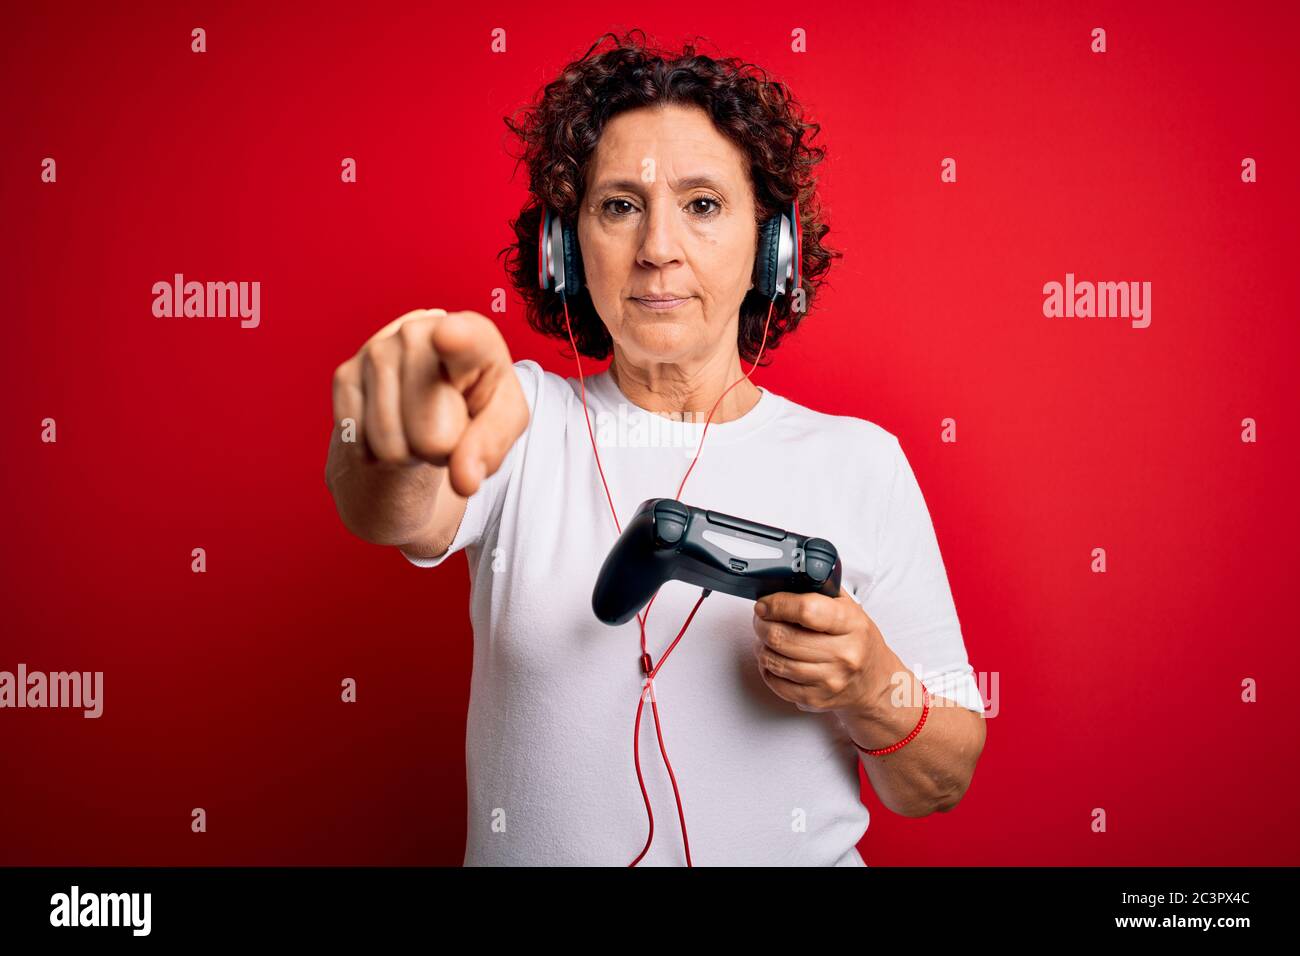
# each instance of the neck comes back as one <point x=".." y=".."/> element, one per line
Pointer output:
<point x="687" y="392"/>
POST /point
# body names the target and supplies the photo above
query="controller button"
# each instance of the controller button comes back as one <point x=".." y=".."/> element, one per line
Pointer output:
<point x="671" y="508"/>
<point x="818" y="568"/>
<point x="668" y="533"/>
<point x="670" y="518"/>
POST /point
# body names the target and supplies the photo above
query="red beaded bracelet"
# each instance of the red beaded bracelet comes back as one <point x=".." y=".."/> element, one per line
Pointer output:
<point x="925" y="712"/>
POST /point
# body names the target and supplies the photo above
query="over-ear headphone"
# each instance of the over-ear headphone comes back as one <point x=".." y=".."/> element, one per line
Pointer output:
<point x="776" y="262"/>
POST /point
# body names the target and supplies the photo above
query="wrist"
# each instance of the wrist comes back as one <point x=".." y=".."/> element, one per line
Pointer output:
<point x="889" y="714"/>
<point x="891" y="682"/>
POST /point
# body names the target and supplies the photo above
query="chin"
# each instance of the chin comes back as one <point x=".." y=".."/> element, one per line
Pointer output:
<point x="661" y="343"/>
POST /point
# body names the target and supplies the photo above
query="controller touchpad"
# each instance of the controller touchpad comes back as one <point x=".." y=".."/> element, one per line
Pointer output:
<point x="742" y="547"/>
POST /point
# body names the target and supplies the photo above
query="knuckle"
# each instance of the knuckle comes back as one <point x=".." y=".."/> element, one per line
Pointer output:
<point x="380" y="352"/>
<point x="345" y="373"/>
<point x="414" y="332"/>
<point x="369" y="361"/>
<point x="806" y="609"/>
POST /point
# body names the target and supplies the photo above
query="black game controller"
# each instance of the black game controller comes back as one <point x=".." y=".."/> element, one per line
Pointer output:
<point x="667" y="540"/>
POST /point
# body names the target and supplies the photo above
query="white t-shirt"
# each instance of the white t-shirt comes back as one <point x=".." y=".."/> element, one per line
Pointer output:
<point x="554" y="690"/>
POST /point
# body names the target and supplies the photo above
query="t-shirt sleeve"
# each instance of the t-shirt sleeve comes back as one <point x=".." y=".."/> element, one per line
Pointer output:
<point x="910" y="599"/>
<point x="483" y="508"/>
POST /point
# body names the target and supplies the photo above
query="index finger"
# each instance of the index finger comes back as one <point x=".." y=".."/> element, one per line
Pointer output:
<point x="465" y="343"/>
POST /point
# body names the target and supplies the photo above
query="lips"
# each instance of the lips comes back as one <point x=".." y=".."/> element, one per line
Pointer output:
<point x="662" y="304"/>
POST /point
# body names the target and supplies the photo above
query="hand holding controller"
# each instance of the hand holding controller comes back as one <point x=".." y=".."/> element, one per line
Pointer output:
<point x="667" y="540"/>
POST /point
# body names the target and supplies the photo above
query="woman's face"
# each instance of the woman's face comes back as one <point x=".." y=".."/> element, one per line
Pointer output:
<point x="669" y="210"/>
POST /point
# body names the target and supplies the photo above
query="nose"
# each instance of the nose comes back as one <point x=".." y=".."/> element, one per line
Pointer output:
<point x="660" y="240"/>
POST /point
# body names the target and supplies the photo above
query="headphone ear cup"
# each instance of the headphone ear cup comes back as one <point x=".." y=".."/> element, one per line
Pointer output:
<point x="765" y="259"/>
<point x="779" y="255"/>
<point x="573" y="274"/>
<point x="796" y="270"/>
<point x="543" y="223"/>
<point x="550" y="264"/>
<point x="559" y="260"/>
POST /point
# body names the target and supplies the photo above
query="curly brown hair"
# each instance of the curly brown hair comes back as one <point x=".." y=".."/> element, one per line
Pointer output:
<point x="560" y="131"/>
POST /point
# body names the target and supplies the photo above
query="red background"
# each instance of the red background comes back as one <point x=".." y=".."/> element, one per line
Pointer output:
<point x="1118" y="691"/>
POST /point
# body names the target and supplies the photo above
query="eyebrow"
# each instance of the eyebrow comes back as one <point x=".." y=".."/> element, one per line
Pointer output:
<point x="633" y="185"/>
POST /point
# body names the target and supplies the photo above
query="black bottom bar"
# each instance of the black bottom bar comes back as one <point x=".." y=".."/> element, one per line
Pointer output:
<point x="939" y="906"/>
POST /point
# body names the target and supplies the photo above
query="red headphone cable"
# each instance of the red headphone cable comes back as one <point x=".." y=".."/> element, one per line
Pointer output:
<point x="647" y="688"/>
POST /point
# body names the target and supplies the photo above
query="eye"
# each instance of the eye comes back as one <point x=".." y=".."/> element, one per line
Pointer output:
<point x="609" y="202"/>
<point x="706" y="214"/>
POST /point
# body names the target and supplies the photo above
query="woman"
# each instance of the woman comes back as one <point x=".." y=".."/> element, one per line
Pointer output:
<point x="666" y="165"/>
